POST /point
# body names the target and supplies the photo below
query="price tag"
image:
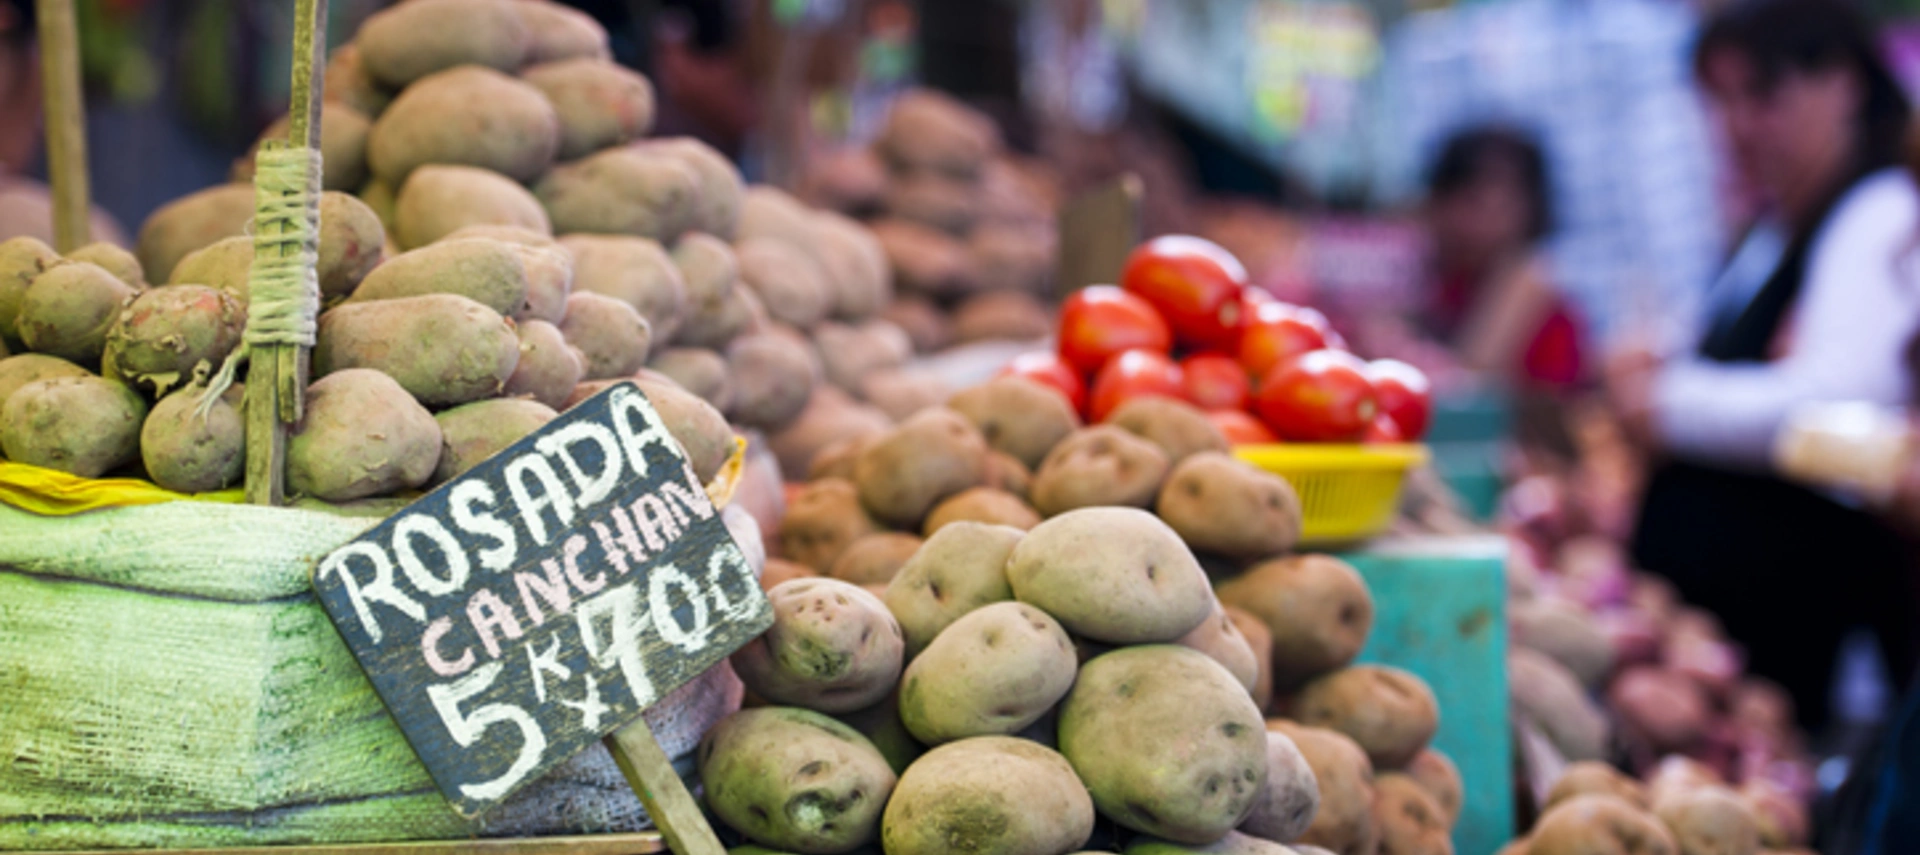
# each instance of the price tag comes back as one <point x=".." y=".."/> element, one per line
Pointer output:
<point x="537" y="603"/>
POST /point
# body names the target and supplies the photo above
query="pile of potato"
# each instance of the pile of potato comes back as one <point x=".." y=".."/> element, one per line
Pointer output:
<point x="995" y="631"/>
<point x="1684" y="808"/>
<point x="968" y="229"/>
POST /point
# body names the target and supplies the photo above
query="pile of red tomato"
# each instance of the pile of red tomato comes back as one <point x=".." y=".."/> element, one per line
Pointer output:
<point x="1183" y="323"/>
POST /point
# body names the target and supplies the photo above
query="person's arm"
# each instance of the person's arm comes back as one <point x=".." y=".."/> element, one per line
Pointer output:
<point x="1855" y="316"/>
<point x="1501" y="324"/>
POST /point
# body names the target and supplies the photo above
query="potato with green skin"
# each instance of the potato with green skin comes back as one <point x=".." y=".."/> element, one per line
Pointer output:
<point x="1344" y="821"/>
<point x="1179" y="428"/>
<point x="470" y="116"/>
<point x="1410" y="821"/>
<point x="343" y="147"/>
<point x="823" y="519"/>
<point x="794" y="779"/>
<point x="1391" y="713"/>
<point x="1097" y="466"/>
<point x="443" y="349"/>
<point x="774" y="375"/>
<point x="68" y="309"/>
<point x="21" y="259"/>
<point x="600" y="104"/>
<point x="1165" y="739"/>
<point x="548" y="367"/>
<point x="549" y="267"/>
<point x="991" y="794"/>
<point x="1317" y="607"/>
<point x="961" y="567"/>
<point x="1219" y="637"/>
<point x="437" y="200"/>
<point x="1285" y="808"/>
<point x="612" y="335"/>
<point x="362" y="435"/>
<point x="191" y="222"/>
<point x="556" y="31"/>
<point x="994" y="671"/>
<point x="621" y="191"/>
<point x="85" y="426"/>
<point x="352" y="244"/>
<point x="1234" y="843"/>
<point x="471" y="433"/>
<point x="699" y="428"/>
<point x="719" y="188"/>
<point x="407" y="43"/>
<point x="982" y="505"/>
<point x="165" y="336"/>
<point x="486" y="271"/>
<point x="881" y="725"/>
<point x="633" y="270"/>
<point x="188" y="453"/>
<point x="1436" y="774"/>
<point x="790" y="283"/>
<point x="21" y="369"/>
<point x="1114" y="575"/>
<point x="1230" y="508"/>
<point x="833" y="647"/>
<point x="1599" y="825"/>
<point x="927" y="458"/>
<point x="113" y="259"/>
<point x="1018" y="416"/>
<point x="874" y="559"/>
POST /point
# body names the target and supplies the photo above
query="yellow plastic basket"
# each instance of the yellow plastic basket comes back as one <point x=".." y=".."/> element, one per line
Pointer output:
<point x="1348" y="493"/>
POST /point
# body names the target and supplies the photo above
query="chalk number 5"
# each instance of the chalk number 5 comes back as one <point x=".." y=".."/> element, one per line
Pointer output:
<point x="466" y="728"/>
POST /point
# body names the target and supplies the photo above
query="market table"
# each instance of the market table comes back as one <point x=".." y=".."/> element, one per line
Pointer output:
<point x="1440" y="612"/>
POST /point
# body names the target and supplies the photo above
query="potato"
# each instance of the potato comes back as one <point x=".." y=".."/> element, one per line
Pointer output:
<point x="849" y="354"/>
<point x="1221" y="505"/>
<point x="21" y="259"/>
<point x="409" y="42"/>
<point x="930" y="131"/>
<point x="1436" y="774"/>
<point x="1677" y="774"/>
<point x="556" y="31"/>
<point x="1166" y="741"/>
<point x="1410" y="821"/>
<point x="960" y="568"/>
<point x="113" y="259"/>
<point x="85" y="426"/>
<point x="1234" y="843"/>
<point x="903" y="474"/>
<point x="836" y="459"/>
<point x="466" y="116"/>
<point x="362" y="435"/>
<point x="830" y="417"/>
<point x="486" y="271"/>
<point x="781" y="570"/>
<point x="380" y="196"/>
<point x="995" y="670"/>
<point x="991" y="794"/>
<point x="795" y="780"/>
<point x="1001" y="316"/>
<point x="699" y="428"/>
<point x="874" y="559"/>
<point x="191" y="222"/>
<point x="846" y="178"/>
<point x="1780" y="816"/>
<point x="621" y="191"/>
<point x="613" y="336"/>
<point x="1565" y="632"/>
<point x="923" y="322"/>
<point x="1116" y="575"/>
<point x="633" y="270"/>
<point x="699" y="371"/>
<point x="833" y="648"/>
<point x="1179" y="428"/>
<point x="1017" y="416"/>
<point x="1599" y="825"/>
<point x="1101" y="465"/>
<point x="774" y="375"/>
<point x="1344" y="822"/>
<point x="791" y="284"/>
<point x="983" y="505"/>
<point x="926" y="262"/>
<point x="348" y="83"/>
<point x="1547" y="695"/>
<point x="881" y="725"/>
<point x="165" y="336"/>
<point x="1220" y="639"/>
<point x="1019" y="257"/>
<point x="1008" y="475"/>
<point x="708" y="267"/>
<point x="1665" y="708"/>
<point x="352" y="243"/>
<point x="343" y="146"/>
<point x="856" y="266"/>
<point x="903" y="392"/>
<point x="600" y="103"/>
<point x="1594" y="777"/>
<point x="18" y="371"/>
<point x="225" y="264"/>
<point x="1389" y="712"/>
<point x="443" y="349"/>
<point x="769" y="212"/>
<point x="548" y="368"/>
<point x="437" y="200"/>
<point x="1287" y="804"/>
<point x="186" y="452"/>
<point x="1260" y="641"/>
<point x="471" y="433"/>
<point x="933" y="200"/>
<point x="822" y="520"/>
<point x="719" y="188"/>
<point x="68" y="309"/>
<point x="1317" y="608"/>
<point x="1709" y="821"/>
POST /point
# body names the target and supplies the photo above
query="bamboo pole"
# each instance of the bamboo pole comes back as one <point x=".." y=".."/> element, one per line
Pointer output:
<point x="66" y="122"/>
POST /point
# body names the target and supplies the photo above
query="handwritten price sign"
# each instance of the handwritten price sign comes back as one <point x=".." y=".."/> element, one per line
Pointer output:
<point x="526" y="609"/>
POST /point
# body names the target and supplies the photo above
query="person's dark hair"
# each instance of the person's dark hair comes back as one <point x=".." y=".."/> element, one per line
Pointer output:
<point x="16" y="21"/>
<point x="1781" y="37"/>
<point x="1471" y="155"/>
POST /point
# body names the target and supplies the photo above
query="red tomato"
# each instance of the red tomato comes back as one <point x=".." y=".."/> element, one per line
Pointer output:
<point x="1322" y="396"/>
<point x="1196" y="285"/>
<point x="1383" y="431"/>
<point x="1134" y="374"/>
<point x="1277" y="332"/>
<point x="1100" y="321"/>
<point x="1049" y="370"/>
<point x="1241" y="428"/>
<point x="1216" y="382"/>
<point x="1405" y="395"/>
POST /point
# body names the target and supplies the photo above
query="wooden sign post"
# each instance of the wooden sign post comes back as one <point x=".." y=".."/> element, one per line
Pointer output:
<point x="542" y="600"/>
<point x="1097" y="230"/>
<point x="66" y="119"/>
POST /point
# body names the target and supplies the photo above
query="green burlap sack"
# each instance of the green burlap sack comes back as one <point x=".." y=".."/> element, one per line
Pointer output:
<point x="167" y="679"/>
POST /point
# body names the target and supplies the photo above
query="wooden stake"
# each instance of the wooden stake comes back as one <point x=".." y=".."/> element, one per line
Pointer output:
<point x="66" y="120"/>
<point x="640" y="843"/>
<point x="661" y="791"/>
<point x="268" y="411"/>
<point x="1097" y="230"/>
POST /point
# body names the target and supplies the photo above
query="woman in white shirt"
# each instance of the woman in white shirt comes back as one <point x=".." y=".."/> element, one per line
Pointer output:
<point x="1818" y="303"/>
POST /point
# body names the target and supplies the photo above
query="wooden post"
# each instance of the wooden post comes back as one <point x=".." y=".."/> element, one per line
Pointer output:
<point x="277" y="376"/>
<point x="1097" y="230"/>
<point x="661" y="791"/>
<point x="66" y="120"/>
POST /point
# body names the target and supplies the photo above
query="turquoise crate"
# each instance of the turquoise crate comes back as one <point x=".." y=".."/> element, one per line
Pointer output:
<point x="1474" y="472"/>
<point x="1476" y="417"/>
<point x="1440" y="612"/>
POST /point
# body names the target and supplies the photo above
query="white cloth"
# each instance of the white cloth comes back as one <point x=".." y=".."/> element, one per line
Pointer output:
<point x="1845" y="337"/>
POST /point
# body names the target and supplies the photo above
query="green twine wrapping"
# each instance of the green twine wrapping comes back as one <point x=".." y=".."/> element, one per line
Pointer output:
<point x="283" y="285"/>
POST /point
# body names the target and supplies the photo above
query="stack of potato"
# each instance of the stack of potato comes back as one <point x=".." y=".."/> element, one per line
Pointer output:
<point x="1684" y="808"/>
<point x="995" y="632"/>
<point x="969" y="230"/>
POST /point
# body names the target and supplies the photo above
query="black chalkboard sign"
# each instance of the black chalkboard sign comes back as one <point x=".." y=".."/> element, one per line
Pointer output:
<point x="540" y="601"/>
